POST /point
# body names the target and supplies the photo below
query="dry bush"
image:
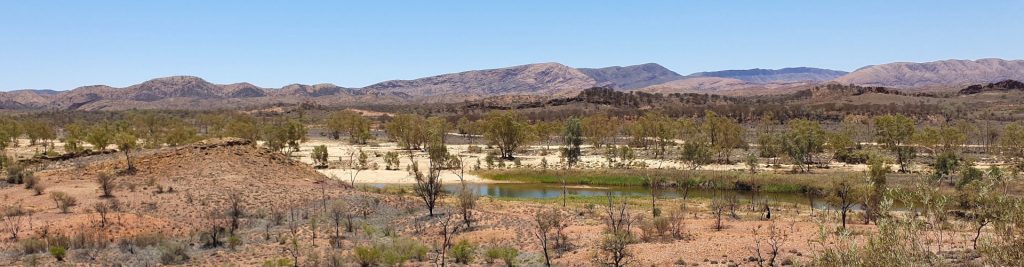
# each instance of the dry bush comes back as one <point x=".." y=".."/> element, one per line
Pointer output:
<point x="507" y="254"/>
<point x="32" y="246"/>
<point x="770" y="245"/>
<point x="546" y="222"/>
<point x="13" y="217"/>
<point x="613" y="247"/>
<point x="103" y="209"/>
<point x="38" y="189"/>
<point x="106" y="183"/>
<point x="64" y="201"/>
<point x="173" y="253"/>
<point x="143" y="240"/>
<point x="16" y="174"/>
<point x="718" y="207"/>
<point x="467" y="202"/>
<point x="29" y="179"/>
<point x="898" y="242"/>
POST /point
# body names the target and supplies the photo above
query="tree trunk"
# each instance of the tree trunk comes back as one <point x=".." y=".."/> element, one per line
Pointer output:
<point x="977" y="234"/>
<point x="844" y="217"/>
<point x="128" y="158"/>
<point x="565" y="191"/>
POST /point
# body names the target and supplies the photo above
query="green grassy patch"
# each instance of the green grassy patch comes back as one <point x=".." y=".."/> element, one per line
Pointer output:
<point x="582" y="200"/>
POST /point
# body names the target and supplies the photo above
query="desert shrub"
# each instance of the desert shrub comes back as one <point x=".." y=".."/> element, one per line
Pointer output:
<point x="38" y="189"/>
<point x="58" y="252"/>
<point x="369" y="230"/>
<point x="390" y="252"/>
<point x="13" y="217"/>
<point x="234" y="241"/>
<point x="474" y="149"/>
<point x="106" y="183"/>
<point x="489" y="160"/>
<point x="898" y="242"/>
<point x="718" y="207"/>
<point x="143" y="240"/>
<point x="173" y="253"/>
<point x="282" y="262"/>
<point x="366" y="256"/>
<point x="29" y="180"/>
<point x="88" y="240"/>
<point x="32" y="246"/>
<point x="504" y="253"/>
<point x="656" y="228"/>
<point x="319" y="156"/>
<point x="412" y="248"/>
<point x="463" y="252"/>
<point x="613" y="247"/>
<point x="149" y="239"/>
<point x="16" y="174"/>
<point x="59" y="239"/>
<point x="391" y="161"/>
<point x="335" y="260"/>
<point x="852" y="156"/>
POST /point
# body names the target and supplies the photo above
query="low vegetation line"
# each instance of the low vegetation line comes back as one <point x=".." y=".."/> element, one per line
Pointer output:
<point x="727" y="180"/>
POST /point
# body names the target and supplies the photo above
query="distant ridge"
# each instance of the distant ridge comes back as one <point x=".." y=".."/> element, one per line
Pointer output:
<point x="631" y="77"/>
<point x="942" y="74"/>
<point x="785" y="75"/>
<point x="542" y="80"/>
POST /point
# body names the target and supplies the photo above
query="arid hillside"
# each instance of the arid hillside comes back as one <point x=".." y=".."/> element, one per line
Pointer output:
<point x="937" y="75"/>
<point x="174" y="193"/>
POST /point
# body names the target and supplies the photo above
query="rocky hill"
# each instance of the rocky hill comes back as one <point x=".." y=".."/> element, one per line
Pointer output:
<point x="188" y="92"/>
<point x="936" y="75"/>
<point x="631" y="77"/>
<point x="23" y="99"/>
<point x="785" y="75"/>
<point x="544" y="78"/>
<point x="1002" y="86"/>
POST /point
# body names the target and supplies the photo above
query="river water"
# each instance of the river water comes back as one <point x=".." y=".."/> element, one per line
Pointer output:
<point x="540" y="191"/>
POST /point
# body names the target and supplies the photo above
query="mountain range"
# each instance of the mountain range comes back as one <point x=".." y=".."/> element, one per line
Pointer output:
<point x="537" y="80"/>
<point x="945" y="73"/>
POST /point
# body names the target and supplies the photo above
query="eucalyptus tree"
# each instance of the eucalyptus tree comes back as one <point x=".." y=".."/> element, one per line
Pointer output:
<point x="572" y="140"/>
<point x="507" y="130"/>
<point x="801" y="140"/>
<point x="894" y="133"/>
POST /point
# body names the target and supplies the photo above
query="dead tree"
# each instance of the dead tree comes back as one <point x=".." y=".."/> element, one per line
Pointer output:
<point x="235" y="211"/>
<point x="428" y="186"/>
<point x="718" y="208"/>
<point x="102" y="208"/>
<point x="448" y="229"/>
<point x="467" y="202"/>
<point x="13" y="218"/>
<point x="337" y="217"/>
<point x="617" y="237"/>
<point x="545" y="222"/>
<point x="214" y="225"/>
<point x="771" y="244"/>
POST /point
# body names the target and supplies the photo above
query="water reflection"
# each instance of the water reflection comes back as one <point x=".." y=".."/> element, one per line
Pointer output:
<point x="536" y="190"/>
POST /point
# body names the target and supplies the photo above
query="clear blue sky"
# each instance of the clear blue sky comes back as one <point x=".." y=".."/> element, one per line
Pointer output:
<point x="64" y="44"/>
